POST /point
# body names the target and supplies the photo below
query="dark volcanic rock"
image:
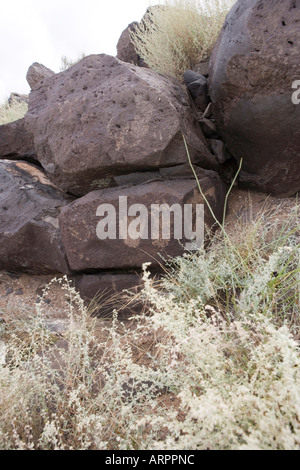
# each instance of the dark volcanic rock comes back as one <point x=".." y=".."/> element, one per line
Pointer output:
<point x="79" y="222"/>
<point x="105" y="292"/>
<point x="197" y="86"/>
<point x="36" y="75"/>
<point x="252" y="69"/>
<point x="125" y="48"/>
<point x="103" y="117"/>
<point x="29" y="207"/>
<point x="15" y="141"/>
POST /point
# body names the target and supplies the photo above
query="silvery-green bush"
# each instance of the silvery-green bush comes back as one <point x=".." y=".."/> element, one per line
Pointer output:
<point x="12" y="112"/>
<point x="211" y="363"/>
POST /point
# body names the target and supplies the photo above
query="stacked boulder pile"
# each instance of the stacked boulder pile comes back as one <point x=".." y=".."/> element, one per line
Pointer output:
<point x="110" y="127"/>
<point x="251" y="77"/>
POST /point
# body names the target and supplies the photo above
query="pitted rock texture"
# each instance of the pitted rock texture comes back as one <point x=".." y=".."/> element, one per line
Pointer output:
<point x="103" y="117"/>
<point x="252" y="69"/>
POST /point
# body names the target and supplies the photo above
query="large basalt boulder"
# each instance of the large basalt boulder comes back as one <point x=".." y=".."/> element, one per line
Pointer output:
<point x="29" y="208"/>
<point x="15" y="141"/>
<point x="131" y="242"/>
<point x="103" y="117"/>
<point x="252" y="69"/>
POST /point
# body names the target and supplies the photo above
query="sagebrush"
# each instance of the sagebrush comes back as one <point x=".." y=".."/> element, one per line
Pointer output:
<point x="178" y="34"/>
<point x="211" y="363"/>
<point x="13" y="111"/>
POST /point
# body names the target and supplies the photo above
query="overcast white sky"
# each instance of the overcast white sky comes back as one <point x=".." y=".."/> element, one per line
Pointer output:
<point x="45" y="30"/>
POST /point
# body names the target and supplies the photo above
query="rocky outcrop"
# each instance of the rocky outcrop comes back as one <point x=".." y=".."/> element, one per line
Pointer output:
<point x="127" y="236"/>
<point x="110" y="133"/>
<point x="252" y="69"/>
<point x="15" y="141"/>
<point x="29" y="209"/>
<point x="103" y="117"/>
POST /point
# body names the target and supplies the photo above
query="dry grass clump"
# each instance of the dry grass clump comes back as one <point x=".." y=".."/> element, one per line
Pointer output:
<point x="213" y="363"/>
<point x="66" y="62"/>
<point x="178" y="34"/>
<point x="12" y="112"/>
<point x="256" y="268"/>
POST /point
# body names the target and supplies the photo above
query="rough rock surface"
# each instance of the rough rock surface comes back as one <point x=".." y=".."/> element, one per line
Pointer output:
<point x="15" y="141"/>
<point x="252" y="68"/>
<point x="103" y="117"/>
<point x="36" y="75"/>
<point x="125" y="48"/>
<point x="79" y="222"/>
<point x="218" y="149"/>
<point x="29" y="233"/>
<point x="197" y="86"/>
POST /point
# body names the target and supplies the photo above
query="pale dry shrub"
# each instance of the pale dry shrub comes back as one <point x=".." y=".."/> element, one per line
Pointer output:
<point x="212" y="364"/>
<point x="239" y="379"/>
<point x="256" y="268"/>
<point x="178" y="34"/>
<point x="12" y="112"/>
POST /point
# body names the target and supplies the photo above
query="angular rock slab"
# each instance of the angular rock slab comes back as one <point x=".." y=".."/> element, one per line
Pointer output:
<point x="15" y="141"/>
<point x="126" y="50"/>
<point x="103" y="117"/>
<point x="36" y="75"/>
<point x="79" y="223"/>
<point x="29" y="207"/>
<point x="252" y="69"/>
